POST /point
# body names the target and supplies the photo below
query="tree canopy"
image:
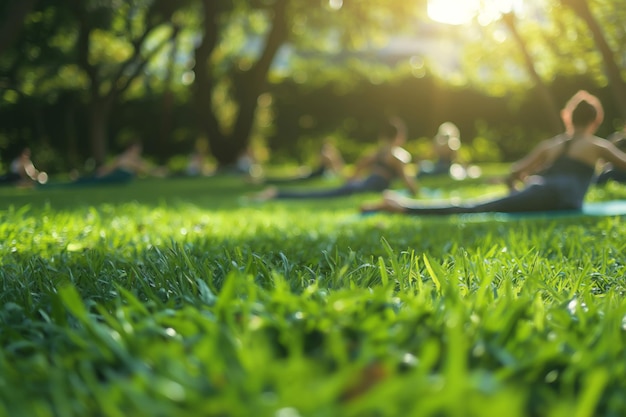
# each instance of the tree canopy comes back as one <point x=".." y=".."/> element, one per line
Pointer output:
<point x="83" y="76"/>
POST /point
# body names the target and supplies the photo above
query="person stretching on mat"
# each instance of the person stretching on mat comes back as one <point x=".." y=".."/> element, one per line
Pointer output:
<point x="556" y="174"/>
<point x="22" y="172"/>
<point x="373" y="173"/>
<point x="122" y="169"/>
<point x="330" y="164"/>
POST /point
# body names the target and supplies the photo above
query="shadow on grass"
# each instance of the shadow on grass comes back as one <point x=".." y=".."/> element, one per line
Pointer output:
<point x="223" y="192"/>
<point x="209" y="192"/>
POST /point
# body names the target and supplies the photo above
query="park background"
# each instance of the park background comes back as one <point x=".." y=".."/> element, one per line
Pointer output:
<point x="177" y="297"/>
<point x="80" y="80"/>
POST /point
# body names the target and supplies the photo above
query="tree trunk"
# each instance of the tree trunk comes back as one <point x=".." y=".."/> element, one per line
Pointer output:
<point x="71" y="142"/>
<point x="14" y="22"/>
<point x="101" y="101"/>
<point x="167" y="105"/>
<point x="613" y="71"/>
<point x="248" y="85"/>
<point x="98" y="130"/>
<point x="203" y="84"/>
<point x="546" y="97"/>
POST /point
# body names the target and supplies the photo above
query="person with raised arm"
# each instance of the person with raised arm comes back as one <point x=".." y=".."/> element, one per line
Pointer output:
<point x="372" y="173"/>
<point x="554" y="176"/>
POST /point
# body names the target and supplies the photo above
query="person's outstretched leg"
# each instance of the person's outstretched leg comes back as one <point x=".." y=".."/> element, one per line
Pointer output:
<point x="532" y="199"/>
<point x="392" y="202"/>
<point x="272" y="193"/>
<point x="370" y="184"/>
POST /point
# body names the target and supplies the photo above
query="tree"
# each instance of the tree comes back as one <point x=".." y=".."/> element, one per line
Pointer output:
<point x="612" y="68"/>
<point x="32" y="74"/>
<point x="250" y="83"/>
<point x="87" y="52"/>
<point x="115" y="43"/>
<point x="270" y="24"/>
<point x="13" y="21"/>
<point x="547" y="99"/>
<point x="554" y="42"/>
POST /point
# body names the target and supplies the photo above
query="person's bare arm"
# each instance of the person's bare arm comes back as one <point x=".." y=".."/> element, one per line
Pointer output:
<point x="139" y="165"/>
<point x="409" y="180"/>
<point x="612" y="154"/>
<point x="362" y="165"/>
<point x="30" y="170"/>
<point x="400" y="126"/>
<point x="530" y="164"/>
<point x="136" y="165"/>
<point x="401" y="160"/>
<point x="332" y="160"/>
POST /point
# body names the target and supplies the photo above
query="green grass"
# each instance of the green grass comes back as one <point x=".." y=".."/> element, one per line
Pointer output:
<point x="177" y="298"/>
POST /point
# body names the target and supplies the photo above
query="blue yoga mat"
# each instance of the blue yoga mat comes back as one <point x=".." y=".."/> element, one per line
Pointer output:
<point x="598" y="209"/>
<point x="605" y="208"/>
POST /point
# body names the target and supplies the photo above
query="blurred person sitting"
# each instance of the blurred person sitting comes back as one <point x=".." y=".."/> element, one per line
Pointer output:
<point x="374" y="172"/>
<point x="22" y="171"/>
<point x="196" y="166"/>
<point x="247" y="164"/>
<point x="123" y="168"/>
<point x="330" y="164"/>
<point x="555" y="175"/>
<point x="446" y="145"/>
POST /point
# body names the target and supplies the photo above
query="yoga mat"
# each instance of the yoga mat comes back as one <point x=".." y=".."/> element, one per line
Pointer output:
<point x="596" y="209"/>
<point x="605" y="208"/>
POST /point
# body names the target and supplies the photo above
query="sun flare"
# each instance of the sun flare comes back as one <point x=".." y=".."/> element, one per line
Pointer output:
<point x="458" y="12"/>
<point x="452" y="12"/>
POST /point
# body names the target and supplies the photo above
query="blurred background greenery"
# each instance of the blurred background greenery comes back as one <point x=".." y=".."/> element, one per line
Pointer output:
<point x="81" y="79"/>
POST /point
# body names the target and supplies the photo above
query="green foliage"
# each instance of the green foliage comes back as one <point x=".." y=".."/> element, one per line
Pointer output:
<point x="71" y="55"/>
<point x="559" y="42"/>
<point x="174" y="297"/>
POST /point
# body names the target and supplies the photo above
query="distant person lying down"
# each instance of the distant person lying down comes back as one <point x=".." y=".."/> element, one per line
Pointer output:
<point x="330" y="163"/>
<point x="122" y="169"/>
<point x="373" y="173"/>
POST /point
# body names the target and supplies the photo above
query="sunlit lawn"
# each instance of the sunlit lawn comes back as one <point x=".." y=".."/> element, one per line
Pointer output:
<point x="176" y="297"/>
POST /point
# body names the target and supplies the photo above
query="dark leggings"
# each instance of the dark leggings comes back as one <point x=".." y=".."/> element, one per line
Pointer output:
<point x="539" y="197"/>
<point x="611" y="174"/>
<point x="118" y="176"/>
<point x="10" y="179"/>
<point x="373" y="183"/>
